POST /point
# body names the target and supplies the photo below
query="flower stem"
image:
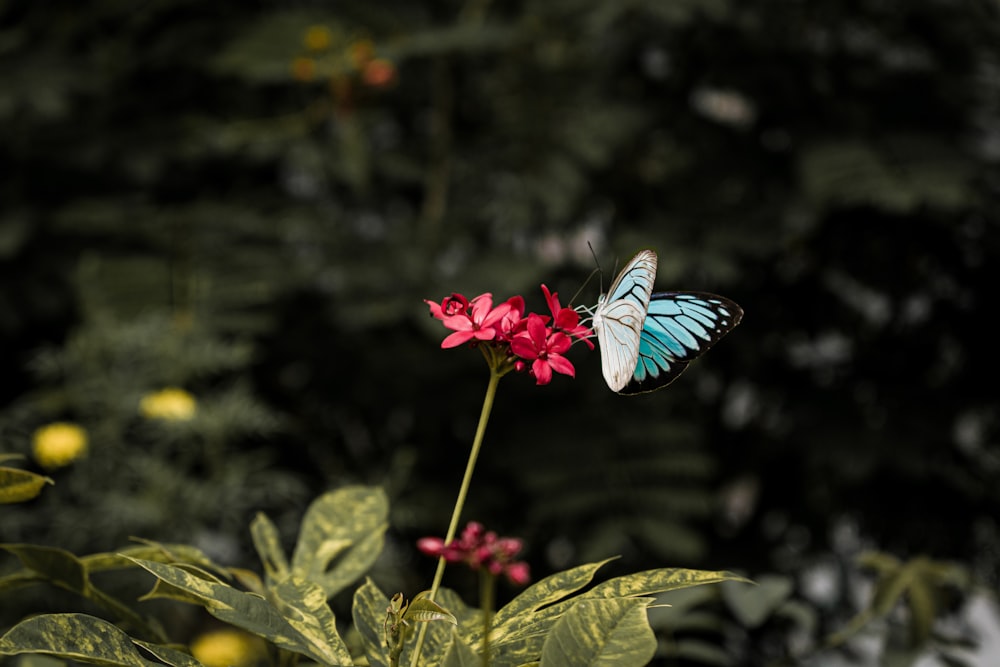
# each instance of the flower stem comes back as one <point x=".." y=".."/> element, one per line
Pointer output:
<point x="497" y="371"/>
<point x="487" y="597"/>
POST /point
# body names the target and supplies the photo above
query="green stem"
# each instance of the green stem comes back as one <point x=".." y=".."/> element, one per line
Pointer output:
<point x="497" y="371"/>
<point x="487" y="597"/>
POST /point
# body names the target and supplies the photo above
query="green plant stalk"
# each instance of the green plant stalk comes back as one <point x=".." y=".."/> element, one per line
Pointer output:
<point x="487" y="598"/>
<point x="497" y="370"/>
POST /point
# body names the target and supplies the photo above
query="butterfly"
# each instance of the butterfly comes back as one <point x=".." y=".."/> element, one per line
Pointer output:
<point x="647" y="339"/>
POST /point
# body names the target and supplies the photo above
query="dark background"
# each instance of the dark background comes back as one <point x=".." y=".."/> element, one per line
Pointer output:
<point x="207" y="195"/>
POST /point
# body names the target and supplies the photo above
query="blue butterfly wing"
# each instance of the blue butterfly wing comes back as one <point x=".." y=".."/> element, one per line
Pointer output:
<point x="679" y="327"/>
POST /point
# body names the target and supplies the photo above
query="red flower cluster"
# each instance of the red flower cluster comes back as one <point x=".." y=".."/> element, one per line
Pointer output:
<point x="540" y="340"/>
<point x="479" y="548"/>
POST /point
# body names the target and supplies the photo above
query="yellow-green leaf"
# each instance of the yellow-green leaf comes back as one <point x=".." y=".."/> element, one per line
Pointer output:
<point x="922" y="611"/>
<point x="244" y="610"/>
<point x="267" y="542"/>
<point x="304" y="606"/>
<point x="752" y="605"/>
<point x="57" y="565"/>
<point x="550" y="589"/>
<point x="520" y="627"/>
<point x="17" y="486"/>
<point x="660" y="580"/>
<point x="458" y="654"/>
<point x="889" y="589"/>
<point x="72" y="636"/>
<point x="601" y="632"/>
<point x="422" y="609"/>
<point x="342" y="535"/>
<point x="170" y="655"/>
<point x="369" y="614"/>
<point x="152" y="551"/>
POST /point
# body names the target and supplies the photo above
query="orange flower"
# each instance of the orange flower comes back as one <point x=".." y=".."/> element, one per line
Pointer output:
<point x="379" y="73"/>
<point x="303" y="69"/>
<point x="361" y="52"/>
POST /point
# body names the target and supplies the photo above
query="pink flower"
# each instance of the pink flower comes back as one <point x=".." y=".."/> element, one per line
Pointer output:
<point x="544" y="347"/>
<point x="567" y="319"/>
<point x="478" y="323"/>
<point x="513" y="322"/>
<point x="518" y="573"/>
<point x="509" y="339"/>
<point x="451" y="305"/>
<point x="481" y="549"/>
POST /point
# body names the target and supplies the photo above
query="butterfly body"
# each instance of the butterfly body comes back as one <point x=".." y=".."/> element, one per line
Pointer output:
<point x="647" y="339"/>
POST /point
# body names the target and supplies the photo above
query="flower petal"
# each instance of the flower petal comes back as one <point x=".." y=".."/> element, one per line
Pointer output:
<point x="537" y="330"/>
<point x="436" y="311"/>
<point x="542" y="371"/>
<point x="432" y="546"/>
<point x="481" y="306"/>
<point x="457" y="322"/>
<point x="561" y="364"/>
<point x="456" y="339"/>
<point x="552" y="299"/>
<point x="495" y="315"/>
<point x="522" y="346"/>
<point x="558" y="343"/>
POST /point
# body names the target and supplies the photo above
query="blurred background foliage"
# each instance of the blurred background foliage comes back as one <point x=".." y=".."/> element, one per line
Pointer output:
<point x="250" y="201"/>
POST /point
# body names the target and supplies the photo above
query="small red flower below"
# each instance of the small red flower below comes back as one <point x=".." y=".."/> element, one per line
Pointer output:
<point x="481" y="549"/>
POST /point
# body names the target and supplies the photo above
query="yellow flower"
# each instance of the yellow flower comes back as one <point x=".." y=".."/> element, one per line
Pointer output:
<point x="303" y="69"/>
<point x="317" y="38"/>
<point x="170" y="404"/>
<point x="59" y="444"/>
<point x="226" y="648"/>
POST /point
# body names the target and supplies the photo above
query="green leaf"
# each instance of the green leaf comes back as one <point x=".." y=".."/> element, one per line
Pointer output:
<point x="75" y="637"/>
<point x="422" y="609"/>
<point x="341" y="536"/>
<point x="17" y="486"/>
<point x="39" y="660"/>
<point x="57" y="565"/>
<point x="303" y="604"/>
<point x="173" y="553"/>
<point x="268" y="545"/>
<point x="889" y="589"/>
<point x="550" y="589"/>
<point x="169" y="655"/>
<point x="611" y="632"/>
<point x="920" y="597"/>
<point x="520" y="627"/>
<point x="244" y="610"/>
<point x="369" y="612"/>
<point x="458" y="654"/>
<point x="121" y="559"/>
<point x="660" y="580"/>
<point x="17" y="580"/>
<point x="701" y="652"/>
<point x="65" y="570"/>
<point x="752" y="605"/>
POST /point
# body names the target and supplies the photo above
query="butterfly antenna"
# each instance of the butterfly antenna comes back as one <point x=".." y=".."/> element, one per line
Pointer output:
<point x="597" y="270"/>
<point x="597" y="262"/>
